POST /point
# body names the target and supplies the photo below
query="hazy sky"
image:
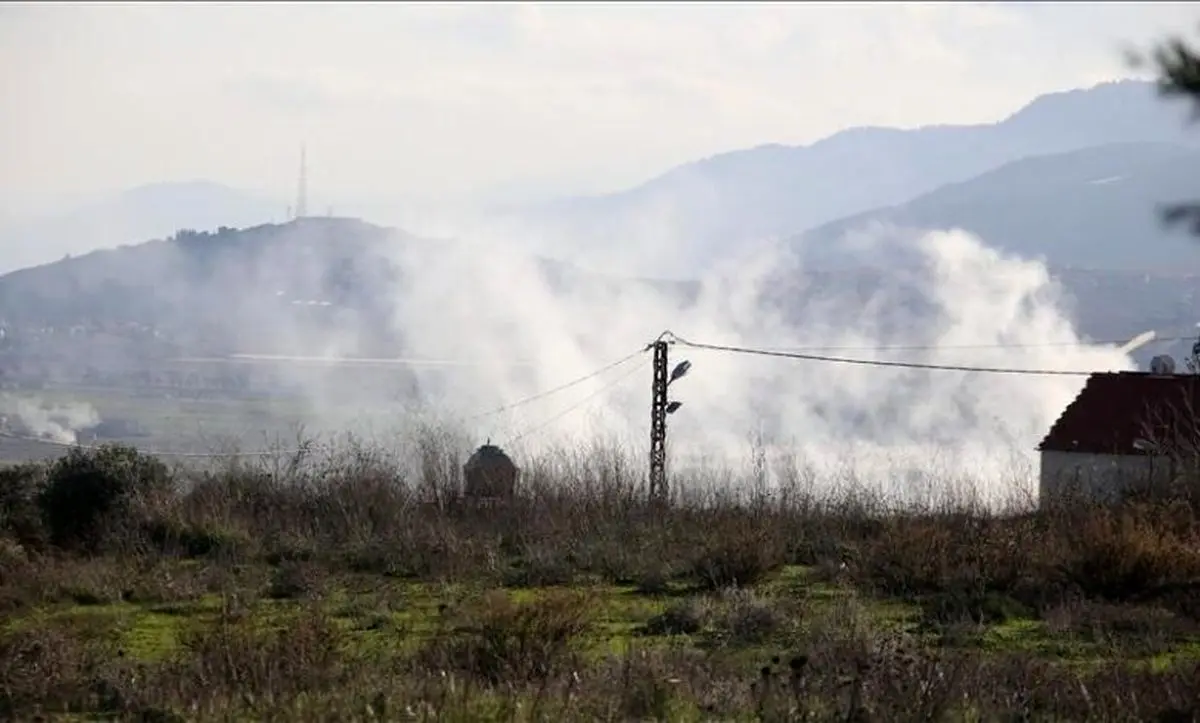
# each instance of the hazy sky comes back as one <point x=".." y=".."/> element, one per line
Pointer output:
<point x="426" y="99"/>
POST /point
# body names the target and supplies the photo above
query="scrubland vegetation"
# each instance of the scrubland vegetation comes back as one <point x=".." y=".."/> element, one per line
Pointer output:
<point x="333" y="587"/>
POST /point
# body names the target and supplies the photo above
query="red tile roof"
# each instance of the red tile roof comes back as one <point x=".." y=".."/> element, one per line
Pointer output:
<point x="1116" y="408"/>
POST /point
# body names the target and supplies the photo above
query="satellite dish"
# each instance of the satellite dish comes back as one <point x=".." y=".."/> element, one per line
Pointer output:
<point x="1162" y="364"/>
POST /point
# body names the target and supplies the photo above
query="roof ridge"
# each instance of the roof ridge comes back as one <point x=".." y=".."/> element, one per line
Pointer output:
<point x="1061" y="415"/>
<point x="1110" y="408"/>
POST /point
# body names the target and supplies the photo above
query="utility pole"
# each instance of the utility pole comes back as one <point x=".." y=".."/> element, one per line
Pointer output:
<point x="658" y="425"/>
<point x="660" y="408"/>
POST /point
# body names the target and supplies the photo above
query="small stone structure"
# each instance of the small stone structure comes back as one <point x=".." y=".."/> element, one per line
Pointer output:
<point x="489" y="474"/>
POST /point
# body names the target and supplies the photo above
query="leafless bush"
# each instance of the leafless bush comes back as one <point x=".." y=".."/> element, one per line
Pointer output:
<point x="501" y="641"/>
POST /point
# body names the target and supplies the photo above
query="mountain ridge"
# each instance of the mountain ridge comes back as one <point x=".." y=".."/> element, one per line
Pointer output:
<point x="775" y="191"/>
<point x="1097" y="207"/>
<point x="771" y="190"/>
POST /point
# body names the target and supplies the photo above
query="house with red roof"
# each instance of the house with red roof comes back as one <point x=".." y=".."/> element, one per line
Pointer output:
<point x="1125" y="432"/>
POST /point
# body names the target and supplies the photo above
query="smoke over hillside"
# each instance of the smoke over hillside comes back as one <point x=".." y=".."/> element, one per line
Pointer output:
<point x="490" y="329"/>
<point x="955" y="292"/>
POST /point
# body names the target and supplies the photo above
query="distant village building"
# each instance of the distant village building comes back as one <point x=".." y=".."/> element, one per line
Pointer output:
<point x="1125" y="433"/>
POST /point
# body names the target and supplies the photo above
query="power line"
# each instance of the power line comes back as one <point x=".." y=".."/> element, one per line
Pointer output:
<point x="266" y="453"/>
<point x="880" y="362"/>
<point x="798" y="355"/>
<point x="577" y="405"/>
<point x="339" y="361"/>
<point x="555" y="390"/>
<point x="938" y="347"/>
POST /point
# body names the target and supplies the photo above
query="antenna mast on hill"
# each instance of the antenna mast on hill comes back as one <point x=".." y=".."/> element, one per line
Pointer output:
<point x="302" y="186"/>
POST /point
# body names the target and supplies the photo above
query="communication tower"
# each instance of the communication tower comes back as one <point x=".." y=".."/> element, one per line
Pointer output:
<point x="302" y="186"/>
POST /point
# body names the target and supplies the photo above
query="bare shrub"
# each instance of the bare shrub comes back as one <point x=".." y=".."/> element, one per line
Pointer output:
<point x="1121" y="554"/>
<point x="499" y="640"/>
<point x="295" y="580"/>
<point x="738" y="555"/>
<point x="303" y="656"/>
<point x="43" y="668"/>
<point x="747" y="619"/>
<point x="686" y="617"/>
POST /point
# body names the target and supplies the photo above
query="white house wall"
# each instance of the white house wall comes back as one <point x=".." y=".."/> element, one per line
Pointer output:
<point x="1099" y="477"/>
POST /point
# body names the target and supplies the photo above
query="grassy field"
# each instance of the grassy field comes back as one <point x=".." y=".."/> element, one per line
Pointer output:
<point x="337" y="589"/>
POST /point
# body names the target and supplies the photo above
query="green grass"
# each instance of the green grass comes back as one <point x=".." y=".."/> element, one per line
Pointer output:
<point x="383" y="622"/>
<point x="388" y="617"/>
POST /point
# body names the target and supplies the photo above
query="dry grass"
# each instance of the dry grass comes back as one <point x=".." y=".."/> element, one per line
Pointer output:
<point x="344" y="588"/>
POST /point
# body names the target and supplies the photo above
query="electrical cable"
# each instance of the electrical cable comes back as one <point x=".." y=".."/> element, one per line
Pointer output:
<point x="798" y="354"/>
<point x="576" y="405"/>
<point x="336" y="361"/>
<point x="938" y="347"/>
<point x="560" y="388"/>
<point x="251" y="358"/>
<point x="265" y="453"/>
<point x="878" y="362"/>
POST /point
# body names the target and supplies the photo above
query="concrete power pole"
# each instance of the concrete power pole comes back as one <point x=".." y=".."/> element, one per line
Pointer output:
<point x="658" y="425"/>
<point x="660" y="408"/>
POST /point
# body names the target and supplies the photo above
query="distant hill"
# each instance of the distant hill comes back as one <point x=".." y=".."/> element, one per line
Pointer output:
<point x="1074" y="178"/>
<point x="147" y="212"/>
<point x="678" y="223"/>
<point x="307" y="286"/>
<point x="1096" y="208"/>
<point x="272" y="288"/>
<point x="212" y="289"/>
<point x="778" y="191"/>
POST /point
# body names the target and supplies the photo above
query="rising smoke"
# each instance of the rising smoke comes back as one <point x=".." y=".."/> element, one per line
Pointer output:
<point x="889" y="425"/>
<point x="35" y="418"/>
<point x="514" y="326"/>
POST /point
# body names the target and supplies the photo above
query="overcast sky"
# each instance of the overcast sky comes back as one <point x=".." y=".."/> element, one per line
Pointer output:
<point x="426" y="99"/>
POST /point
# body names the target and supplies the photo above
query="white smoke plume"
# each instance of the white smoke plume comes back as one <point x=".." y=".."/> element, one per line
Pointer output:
<point x="955" y="296"/>
<point x="56" y="422"/>
<point x="512" y="326"/>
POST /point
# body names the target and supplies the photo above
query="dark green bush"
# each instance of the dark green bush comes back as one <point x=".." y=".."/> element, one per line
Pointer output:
<point x="93" y="495"/>
<point x="20" y="517"/>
